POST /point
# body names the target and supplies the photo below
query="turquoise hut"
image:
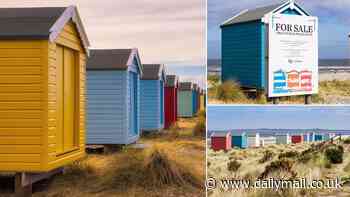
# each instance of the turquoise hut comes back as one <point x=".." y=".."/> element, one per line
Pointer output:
<point x="319" y="137"/>
<point x="185" y="100"/>
<point x="113" y="96"/>
<point x="152" y="97"/>
<point x="244" y="46"/>
<point x="239" y="139"/>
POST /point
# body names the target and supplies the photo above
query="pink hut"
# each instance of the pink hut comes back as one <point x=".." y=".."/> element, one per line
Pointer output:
<point x="306" y="80"/>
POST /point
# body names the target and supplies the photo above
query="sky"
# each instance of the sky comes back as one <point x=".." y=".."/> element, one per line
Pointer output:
<point x="169" y="32"/>
<point x="333" y="15"/>
<point x="278" y="117"/>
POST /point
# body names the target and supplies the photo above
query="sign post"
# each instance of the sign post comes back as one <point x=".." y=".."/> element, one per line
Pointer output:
<point x="293" y="56"/>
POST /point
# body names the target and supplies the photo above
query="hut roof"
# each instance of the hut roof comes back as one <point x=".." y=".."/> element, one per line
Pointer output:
<point x="260" y="12"/>
<point x="185" y="86"/>
<point x="171" y="81"/>
<point x="238" y="133"/>
<point x="39" y="23"/>
<point x="153" y="72"/>
<point x="195" y="86"/>
<point x="219" y="134"/>
<point x="116" y="59"/>
<point x="251" y="15"/>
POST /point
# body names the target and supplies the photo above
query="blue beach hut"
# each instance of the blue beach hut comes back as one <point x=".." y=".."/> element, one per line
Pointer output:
<point x="152" y="97"/>
<point x="113" y="96"/>
<point x="311" y="136"/>
<point x="244" y="46"/>
<point x="239" y="139"/>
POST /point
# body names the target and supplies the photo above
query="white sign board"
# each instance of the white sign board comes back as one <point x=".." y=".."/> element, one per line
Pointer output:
<point x="293" y="55"/>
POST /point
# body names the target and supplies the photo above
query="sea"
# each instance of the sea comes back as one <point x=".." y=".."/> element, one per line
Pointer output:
<point x="214" y="65"/>
<point x="272" y="132"/>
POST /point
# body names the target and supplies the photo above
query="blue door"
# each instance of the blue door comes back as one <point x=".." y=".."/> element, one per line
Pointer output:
<point x="136" y="102"/>
<point x="133" y="110"/>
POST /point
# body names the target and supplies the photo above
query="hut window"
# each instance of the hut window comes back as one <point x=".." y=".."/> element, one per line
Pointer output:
<point x="67" y="71"/>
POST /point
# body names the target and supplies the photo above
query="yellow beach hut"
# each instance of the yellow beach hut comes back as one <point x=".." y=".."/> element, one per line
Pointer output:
<point x="42" y="88"/>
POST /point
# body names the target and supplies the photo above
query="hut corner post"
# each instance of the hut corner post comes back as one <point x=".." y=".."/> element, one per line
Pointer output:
<point x="22" y="190"/>
<point x="308" y="100"/>
<point x="275" y="100"/>
<point x="24" y="181"/>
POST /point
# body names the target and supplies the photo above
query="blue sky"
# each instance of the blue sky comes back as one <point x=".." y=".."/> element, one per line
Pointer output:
<point x="278" y="117"/>
<point x="334" y="23"/>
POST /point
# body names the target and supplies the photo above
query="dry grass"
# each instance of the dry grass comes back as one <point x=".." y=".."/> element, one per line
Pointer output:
<point x="330" y="92"/>
<point x="291" y="164"/>
<point x="168" y="166"/>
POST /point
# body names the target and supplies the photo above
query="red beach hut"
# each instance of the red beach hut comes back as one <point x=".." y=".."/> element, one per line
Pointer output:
<point x="221" y="141"/>
<point x="297" y="139"/>
<point x="170" y="102"/>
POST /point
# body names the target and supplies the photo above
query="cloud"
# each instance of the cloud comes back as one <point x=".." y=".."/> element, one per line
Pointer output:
<point x="164" y="31"/>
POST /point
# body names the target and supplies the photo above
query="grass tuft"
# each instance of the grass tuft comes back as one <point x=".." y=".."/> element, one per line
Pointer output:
<point x="230" y="91"/>
<point x="267" y="156"/>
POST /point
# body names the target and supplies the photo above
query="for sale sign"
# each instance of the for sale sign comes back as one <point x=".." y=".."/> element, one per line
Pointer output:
<point x="293" y="55"/>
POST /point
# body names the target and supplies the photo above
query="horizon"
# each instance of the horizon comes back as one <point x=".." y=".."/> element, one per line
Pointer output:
<point x="281" y="117"/>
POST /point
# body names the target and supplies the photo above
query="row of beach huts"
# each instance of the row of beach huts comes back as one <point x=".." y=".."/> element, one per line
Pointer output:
<point x="227" y="140"/>
<point x="57" y="94"/>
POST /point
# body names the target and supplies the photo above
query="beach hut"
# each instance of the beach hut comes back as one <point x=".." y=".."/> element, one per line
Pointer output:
<point x="306" y="137"/>
<point x="152" y="97"/>
<point x="199" y="92"/>
<point x="194" y="97"/>
<point x="239" y="139"/>
<point x="220" y="141"/>
<point x="170" y="100"/>
<point x="253" y="139"/>
<point x="43" y="55"/>
<point x="244" y="44"/>
<point x="319" y="137"/>
<point x="283" y="138"/>
<point x="297" y="138"/>
<point x="113" y="96"/>
<point x="311" y="136"/>
<point x="267" y="140"/>
<point x="185" y="100"/>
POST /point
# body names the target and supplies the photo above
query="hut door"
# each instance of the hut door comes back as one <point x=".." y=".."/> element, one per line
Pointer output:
<point x="66" y="97"/>
<point x="133" y="109"/>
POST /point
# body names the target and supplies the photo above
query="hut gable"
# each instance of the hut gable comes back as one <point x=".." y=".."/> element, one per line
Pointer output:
<point x="40" y="23"/>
